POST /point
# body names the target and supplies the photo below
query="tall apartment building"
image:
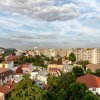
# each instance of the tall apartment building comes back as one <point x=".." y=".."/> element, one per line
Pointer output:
<point x="90" y="54"/>
<point x="96" y="56"/>
<point x="52" y="53"/>
<point x="61" y="52"/>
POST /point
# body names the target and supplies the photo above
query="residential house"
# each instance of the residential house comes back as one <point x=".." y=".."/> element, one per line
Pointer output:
<point x="6" y="82"/>
<point x="91" y="81"/>
<point x="7" y="64"/>
<point x="5" y="75"/>
<point x="68" y="68"/>
<point x="40" y="77"/>
<point x="18" y="75"/>
<point x="6" y="89"/>
<point x="93" y="67"/>
<point x="55" y="69"/>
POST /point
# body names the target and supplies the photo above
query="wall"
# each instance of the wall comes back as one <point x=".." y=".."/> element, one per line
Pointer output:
<point x="8" y="78"/>
<point x="97" y="90"/>
<point x="9" y="65"/>
<point x="42" y="79"/>
<point x="61" y="67"/>
<point x="1" y="65"/>
<point x="18" y="78"/>
<point x="2" y="96"/>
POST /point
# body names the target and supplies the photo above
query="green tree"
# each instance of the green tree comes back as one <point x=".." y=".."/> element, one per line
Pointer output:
<point x="57" y="94"/>
<point x="52" y="60"/>
<point x="61" y="94"/>
<point x="52" y="81"/>
<point x="90" y="96"/>
<point x="60" y="86"/>
<point x="97" y="72"/>
<point x="78" y="71"/>
<point x="65" y="79"/>
<point x="59" y="61"/>
<point x="89" y="71"/>
<point x="84" y="63"/>
<point x="77" y="91"/>
<point x="1" y="59"/>
<point x="27" y="90"/>
<point x="26" y="76"/>
<point x="72" y="57"/>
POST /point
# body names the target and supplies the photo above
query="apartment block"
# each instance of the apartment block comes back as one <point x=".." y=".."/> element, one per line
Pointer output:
<point x="90" y="54"/>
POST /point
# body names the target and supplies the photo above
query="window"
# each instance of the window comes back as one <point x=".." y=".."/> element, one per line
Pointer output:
<point x="94" y="89"/>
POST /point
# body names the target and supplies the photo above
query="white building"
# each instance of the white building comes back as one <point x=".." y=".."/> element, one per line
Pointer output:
<point x="7" y="83"/>
<point x="40" y="78"/>
<point x="18" y="77"/>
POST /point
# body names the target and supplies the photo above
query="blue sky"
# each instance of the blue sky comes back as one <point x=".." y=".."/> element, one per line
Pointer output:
<point x="25" y="24"/>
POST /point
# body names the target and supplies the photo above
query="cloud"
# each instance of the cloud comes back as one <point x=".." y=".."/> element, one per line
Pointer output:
<point x="50" y="23"/>
<point x="48" y="36"/>
<point x="43" y="10"/>
<point x="22" y="37"/>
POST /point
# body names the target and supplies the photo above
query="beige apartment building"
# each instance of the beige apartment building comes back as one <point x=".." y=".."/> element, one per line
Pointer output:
<point x="90" y="54"/>
<point x="96" y="56"/>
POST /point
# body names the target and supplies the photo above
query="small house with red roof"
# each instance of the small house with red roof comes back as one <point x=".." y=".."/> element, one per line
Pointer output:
<point x="6" y="82"/>
<point x="5" y="75"/>
<point x="18" y="76"/>
<point x="55" y="69"/>
<point x="91" y="81"/>
<point x="6" y="89"/>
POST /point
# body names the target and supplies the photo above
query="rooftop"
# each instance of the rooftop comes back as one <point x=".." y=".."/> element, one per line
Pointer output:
<point x="94" y="67"/>
<point x="25" y="66"/>
<point x="90" y="80"/>
<point x="8" y="87"/>
<point x="2" y="70"/>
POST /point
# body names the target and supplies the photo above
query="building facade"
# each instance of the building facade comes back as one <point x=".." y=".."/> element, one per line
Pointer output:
<point x="90" y="54"/>
<point x="5" y="75"/>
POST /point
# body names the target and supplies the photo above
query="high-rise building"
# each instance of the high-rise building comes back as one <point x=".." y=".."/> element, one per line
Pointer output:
<point x="90" y="54"/>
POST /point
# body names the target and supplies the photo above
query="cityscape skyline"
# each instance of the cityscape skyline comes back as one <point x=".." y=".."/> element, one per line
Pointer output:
<point x="49" y="23"/>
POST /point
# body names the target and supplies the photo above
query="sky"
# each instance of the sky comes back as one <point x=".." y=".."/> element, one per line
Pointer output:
<point x="26" y="24"/>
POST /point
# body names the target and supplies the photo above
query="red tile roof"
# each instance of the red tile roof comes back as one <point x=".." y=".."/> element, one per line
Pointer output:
<point x="90" y="80"/>
<point x="2" y="70"/>
<point x="19" y="70"/>
<point x="25" y="66"/>
<point x="8" y="87"/>
<point x="55" y="70"/>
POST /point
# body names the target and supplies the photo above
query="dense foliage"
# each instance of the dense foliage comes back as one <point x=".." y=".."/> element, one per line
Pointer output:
<point x="27" y="90"/>
<point x="78" y="71"/>
<point x="84" y="63"/>
<point x="36" y="60"/>
<point x="63" y="87"/>
<point x="97" y="72"/>
<point x="72" y="57"/>
<point x="9" y="51"/>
